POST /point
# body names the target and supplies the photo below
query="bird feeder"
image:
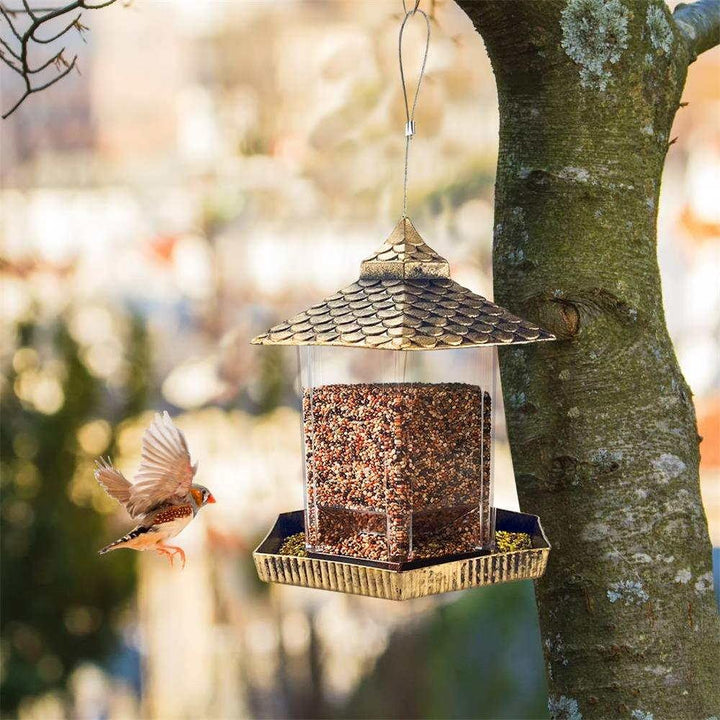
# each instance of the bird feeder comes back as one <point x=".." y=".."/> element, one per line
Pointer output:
<point x="398" y="412"/>
<point x="398" y="435"/>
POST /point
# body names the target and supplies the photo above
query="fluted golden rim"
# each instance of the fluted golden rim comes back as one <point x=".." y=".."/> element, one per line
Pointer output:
<point x="350" y="577"/>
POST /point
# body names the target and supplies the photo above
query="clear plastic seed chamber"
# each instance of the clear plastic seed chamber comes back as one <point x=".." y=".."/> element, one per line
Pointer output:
<point x="397" y="372"/>
<point x="398" y="452"/>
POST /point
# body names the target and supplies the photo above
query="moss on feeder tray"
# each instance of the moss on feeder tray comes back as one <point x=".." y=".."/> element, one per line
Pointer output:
<point x="504" y="542"/>
<point x="512" y="541"/>
<point x="294" y="545"/>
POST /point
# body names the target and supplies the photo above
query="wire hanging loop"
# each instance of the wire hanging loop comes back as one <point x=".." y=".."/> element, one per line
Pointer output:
<point x="405" y="10"/>
<point x="410" y="109"/>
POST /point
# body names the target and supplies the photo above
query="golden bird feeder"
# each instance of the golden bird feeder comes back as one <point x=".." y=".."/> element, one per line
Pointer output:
<point x="398" y="438"/>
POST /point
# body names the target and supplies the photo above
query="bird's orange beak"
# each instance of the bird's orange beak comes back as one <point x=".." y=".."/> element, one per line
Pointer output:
<point x="211" y="499"/>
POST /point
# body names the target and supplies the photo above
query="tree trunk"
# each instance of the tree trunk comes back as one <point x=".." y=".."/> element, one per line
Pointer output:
<point x="601" y="422"/>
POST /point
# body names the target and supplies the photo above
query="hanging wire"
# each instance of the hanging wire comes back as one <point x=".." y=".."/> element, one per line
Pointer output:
<point x="417" y="3"/>
<point x="410" y="110"/>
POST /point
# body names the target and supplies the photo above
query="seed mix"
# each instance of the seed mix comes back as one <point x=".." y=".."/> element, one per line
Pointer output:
<point x="397" y="471"/>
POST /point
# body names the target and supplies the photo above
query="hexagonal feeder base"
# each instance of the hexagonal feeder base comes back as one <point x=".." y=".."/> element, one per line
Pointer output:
<point x="443" y="576"/>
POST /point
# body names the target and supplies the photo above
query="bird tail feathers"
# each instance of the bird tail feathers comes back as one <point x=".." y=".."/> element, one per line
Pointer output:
<point x="124" y="540"/>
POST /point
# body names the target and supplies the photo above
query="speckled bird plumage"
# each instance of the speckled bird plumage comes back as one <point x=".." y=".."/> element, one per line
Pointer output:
<point x="163" y="498"/>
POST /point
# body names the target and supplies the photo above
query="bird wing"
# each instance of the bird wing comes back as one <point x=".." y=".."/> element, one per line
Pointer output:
<point x="165" y="473"/>
<point x="115" y="484"/>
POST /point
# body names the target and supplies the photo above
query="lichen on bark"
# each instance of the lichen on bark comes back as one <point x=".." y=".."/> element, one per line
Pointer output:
<point x="594" y="36"/>
<point x="601" y="422"/>
<point x="659" y="31"/>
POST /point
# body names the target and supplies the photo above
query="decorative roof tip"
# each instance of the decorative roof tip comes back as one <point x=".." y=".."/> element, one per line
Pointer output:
<point x="405" y="255"/>
<point x="404" y="299"/>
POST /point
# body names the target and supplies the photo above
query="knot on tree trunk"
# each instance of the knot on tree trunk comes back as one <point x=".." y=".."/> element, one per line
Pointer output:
<point x="560" y="317"/>
<point x="565" y="313"/>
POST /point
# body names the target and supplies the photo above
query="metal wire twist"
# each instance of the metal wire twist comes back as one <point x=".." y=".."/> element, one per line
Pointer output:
<point x="405" y="10"/>
<point x="410" y="110"/>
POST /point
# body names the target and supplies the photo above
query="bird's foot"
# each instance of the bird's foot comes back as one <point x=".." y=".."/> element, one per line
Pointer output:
<point x="172" y="551"/>
<point x="162" y="550"/>
<point x="181" y="552"/>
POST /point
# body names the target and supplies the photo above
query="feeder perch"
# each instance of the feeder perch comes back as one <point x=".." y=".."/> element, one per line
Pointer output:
<point x="398" y="439"/>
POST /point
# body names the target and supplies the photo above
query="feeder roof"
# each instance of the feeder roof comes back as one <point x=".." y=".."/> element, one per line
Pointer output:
<point x="404" y="299"/>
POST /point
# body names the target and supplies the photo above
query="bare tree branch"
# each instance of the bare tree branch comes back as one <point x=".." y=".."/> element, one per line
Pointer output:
<point x="9" y="49"/>
<point x="28" y="10"/>
<point x="9" y="22"/>
<point x="17" y="58"/>
<point x="10" y="63"/>
<point x="38" y="88"/>
<point x="699" y="24"/>
<point x="67" y="28"/>
<point x="53" y="60"/>
<point x="99" y="6"/>
<point x="23" y="11"/>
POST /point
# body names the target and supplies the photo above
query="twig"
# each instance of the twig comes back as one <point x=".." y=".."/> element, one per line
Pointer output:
<point x="9" y="22"/>
<point x="17" y="58"/>
<point x="41" y="87"/>
<point x="60" y="34"/>
<point x="9" y="49"/>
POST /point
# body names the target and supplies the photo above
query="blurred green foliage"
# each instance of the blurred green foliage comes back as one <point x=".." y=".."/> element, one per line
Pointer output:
<point x="60" y="602"/>
<point x="478" y="657"/>
<point x="273" y="385"/>
<point x="477" y="183"/>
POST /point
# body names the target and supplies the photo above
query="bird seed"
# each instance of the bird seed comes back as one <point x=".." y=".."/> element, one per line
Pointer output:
<point x="397" y="472"/>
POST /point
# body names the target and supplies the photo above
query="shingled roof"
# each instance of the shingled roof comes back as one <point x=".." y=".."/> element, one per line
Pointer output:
<point x="404" y="299"/>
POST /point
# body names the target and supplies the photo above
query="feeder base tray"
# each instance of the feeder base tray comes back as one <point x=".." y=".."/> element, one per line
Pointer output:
<point x="348" y="576"/>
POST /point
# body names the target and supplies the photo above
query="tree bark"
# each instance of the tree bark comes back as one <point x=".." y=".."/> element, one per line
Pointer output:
<point x="601" y="422"/>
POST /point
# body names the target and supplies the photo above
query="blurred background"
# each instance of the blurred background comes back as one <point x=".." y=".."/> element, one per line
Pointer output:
<point x="159" y="210"/>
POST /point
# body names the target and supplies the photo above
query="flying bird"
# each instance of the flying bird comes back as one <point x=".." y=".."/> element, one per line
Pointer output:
<point x="163" y="498"/>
